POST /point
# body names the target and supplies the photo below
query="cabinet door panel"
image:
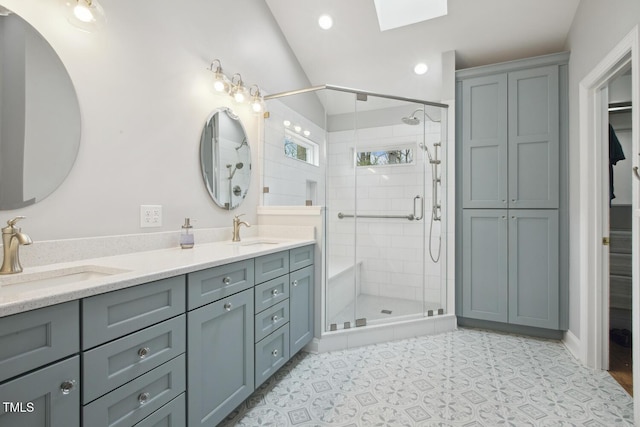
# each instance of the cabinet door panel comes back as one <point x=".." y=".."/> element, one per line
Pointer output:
<point x="34" y="338"/>
<point x="301" y="308"/>
<point x="220" y="350"/>
<point x="42" y="388"/>
<point x="533" y="268"/>
<point x="484" y="264"/>
<point x="534" y="138"/>
<point x="484" y="142"/>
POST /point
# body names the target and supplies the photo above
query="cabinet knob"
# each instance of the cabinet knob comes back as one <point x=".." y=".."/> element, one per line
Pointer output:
<point x="144" y="398"/>
<point x="226" y="280"/>
<point x="275" y="352"/>
<point x="275" y="292"/>
<point x="67" y="386"/>
<point x="294" y="283"/>
<point x="144" y="352"/>
<point x="275" y="318"/>
<point x="514" y="201"/>
<point x="227" y="306"/>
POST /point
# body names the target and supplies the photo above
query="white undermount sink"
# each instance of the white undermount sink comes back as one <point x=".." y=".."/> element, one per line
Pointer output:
<point x="258" y="242"/>
<point x="63" y="276"/>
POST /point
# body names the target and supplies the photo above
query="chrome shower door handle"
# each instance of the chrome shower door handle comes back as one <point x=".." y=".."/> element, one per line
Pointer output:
<point x="415" y="214"/>
<point x="635" y="172"/>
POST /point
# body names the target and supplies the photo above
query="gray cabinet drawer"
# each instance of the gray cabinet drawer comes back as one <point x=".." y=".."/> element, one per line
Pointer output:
<point x="35" y="338"/>
<point x="271" y="266"/>
<point x="271" y="354"/>
<point x="114" y="314"/>
<point x="173" y="414"/>
<point x="300" y="257"/>
<point x="136" y="400"/>
<point x="118" y="362"/>
<point x="271" y="292"/>
<point x="42" y="388"/>
<point x="212" y="284"/>
<point x="271" y="319"/>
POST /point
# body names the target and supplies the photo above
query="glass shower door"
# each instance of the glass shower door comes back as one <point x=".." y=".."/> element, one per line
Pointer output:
<point x="390" y="165"/>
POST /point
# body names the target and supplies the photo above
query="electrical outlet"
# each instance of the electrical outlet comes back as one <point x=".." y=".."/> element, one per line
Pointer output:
<point x="150" y="216"/>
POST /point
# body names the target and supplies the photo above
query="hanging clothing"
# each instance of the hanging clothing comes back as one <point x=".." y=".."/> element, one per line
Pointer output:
<point x="615" y="155"/>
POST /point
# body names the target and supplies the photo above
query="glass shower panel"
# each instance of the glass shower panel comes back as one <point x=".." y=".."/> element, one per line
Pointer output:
<point x="293" y="156"/>
<point x="342" y="270"/>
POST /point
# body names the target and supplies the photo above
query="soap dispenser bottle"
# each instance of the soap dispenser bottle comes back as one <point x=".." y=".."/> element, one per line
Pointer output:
<point x="186" y="237"/>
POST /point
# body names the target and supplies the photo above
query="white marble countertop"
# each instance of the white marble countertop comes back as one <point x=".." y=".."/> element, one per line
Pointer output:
<point x="79" y="279"/>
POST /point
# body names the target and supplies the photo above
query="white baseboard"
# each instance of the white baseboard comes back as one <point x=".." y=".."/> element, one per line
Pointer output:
<point x="573" y="344"/>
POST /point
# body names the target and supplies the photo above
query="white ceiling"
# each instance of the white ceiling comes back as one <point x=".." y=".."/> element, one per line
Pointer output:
<point x="355" y="53"/>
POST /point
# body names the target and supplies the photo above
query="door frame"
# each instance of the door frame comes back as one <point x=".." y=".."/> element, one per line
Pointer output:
<point x="592" y="216"/>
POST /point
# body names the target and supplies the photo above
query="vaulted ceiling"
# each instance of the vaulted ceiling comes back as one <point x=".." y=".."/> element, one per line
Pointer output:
<point x="355" y="53"/>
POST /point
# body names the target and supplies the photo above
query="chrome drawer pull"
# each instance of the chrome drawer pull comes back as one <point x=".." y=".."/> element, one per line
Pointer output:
<point x="275" y="352"/>
<point x="226" y="280"/>
<point x="144" y="352"/>
<point x="275" y="318"/>
<point x="144" y="398"/>
<point x="274" y="292"/>
<point x="295" y="283"/>
<point x="67" y="386"/>
<point x="227" y="306"/>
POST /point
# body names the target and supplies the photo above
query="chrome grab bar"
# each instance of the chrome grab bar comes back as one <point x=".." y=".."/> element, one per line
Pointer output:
<point x="418" y="218"/>
<point x="410" y="217"/>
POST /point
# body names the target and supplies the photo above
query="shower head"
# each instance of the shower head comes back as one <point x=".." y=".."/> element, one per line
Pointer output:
<point x="411" y="121"/>
<point x="239" y="165"/>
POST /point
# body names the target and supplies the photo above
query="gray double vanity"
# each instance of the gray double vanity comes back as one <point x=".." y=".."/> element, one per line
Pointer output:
<point x="184" y="349"/>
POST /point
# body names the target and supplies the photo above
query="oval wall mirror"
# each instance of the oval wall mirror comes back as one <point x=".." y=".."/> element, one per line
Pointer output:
<point x="225" y="158"/>
<point x="39" y="116"/>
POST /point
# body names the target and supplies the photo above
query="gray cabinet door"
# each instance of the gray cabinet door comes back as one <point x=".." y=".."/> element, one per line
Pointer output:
<point x="301" y="308"/>
<point x="34" y="338"/>
<point x="484" y="264"/>
<point x="534" y="138"/>
<point x="220" y="351"/>
<point x="484" y="142"/>
<point x="533" y="268"/>
<point x="38" y="400"/>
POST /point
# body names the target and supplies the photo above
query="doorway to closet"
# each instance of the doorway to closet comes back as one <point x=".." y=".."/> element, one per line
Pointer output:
<point x="619" y="143"/>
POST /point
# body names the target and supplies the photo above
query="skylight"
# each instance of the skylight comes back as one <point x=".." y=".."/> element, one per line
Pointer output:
<point x="398" y="13"/>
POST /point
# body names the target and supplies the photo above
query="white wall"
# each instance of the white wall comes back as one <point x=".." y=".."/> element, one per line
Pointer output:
<point x="597" y="27"/>
<point x="144" y="94"/>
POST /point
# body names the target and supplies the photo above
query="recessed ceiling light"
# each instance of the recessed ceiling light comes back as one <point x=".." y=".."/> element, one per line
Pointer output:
<point x="325" y="22"/>
<point x="420" y="68"/>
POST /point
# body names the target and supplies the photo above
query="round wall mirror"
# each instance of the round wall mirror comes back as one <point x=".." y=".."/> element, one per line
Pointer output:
<point x="225" y="158"/>
<point x="39" y="116"/>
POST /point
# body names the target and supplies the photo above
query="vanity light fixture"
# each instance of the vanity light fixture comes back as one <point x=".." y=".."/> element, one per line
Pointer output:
<point x="220" y="82"/>
<point x="297" y="128"/>
<point x="286" y="123"/>
<point x="257" y="102"/>
<point x="87" y="15"/>
<point x="238" y="91"/>
<point x="306" y="133"/>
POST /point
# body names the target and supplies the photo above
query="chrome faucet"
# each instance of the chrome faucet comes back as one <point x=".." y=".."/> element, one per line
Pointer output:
<point x="236" y="227"/>
<point x="12" y="238"/>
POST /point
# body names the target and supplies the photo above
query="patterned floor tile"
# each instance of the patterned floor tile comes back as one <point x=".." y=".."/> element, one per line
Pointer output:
<point x="469" y="378"/>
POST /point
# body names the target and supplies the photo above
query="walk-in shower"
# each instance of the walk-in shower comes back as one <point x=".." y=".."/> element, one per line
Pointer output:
<point x="381" y="178"/>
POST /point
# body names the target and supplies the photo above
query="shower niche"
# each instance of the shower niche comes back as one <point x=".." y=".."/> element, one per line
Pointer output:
<point x="378" y="171"/>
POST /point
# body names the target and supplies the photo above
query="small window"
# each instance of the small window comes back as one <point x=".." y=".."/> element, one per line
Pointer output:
<point x="300" y="148"/>
<point x="399" y="156"/>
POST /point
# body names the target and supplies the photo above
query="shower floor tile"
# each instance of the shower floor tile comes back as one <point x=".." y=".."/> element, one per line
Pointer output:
<point x="371" y="307"/>
<point x="463" y="378"/>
